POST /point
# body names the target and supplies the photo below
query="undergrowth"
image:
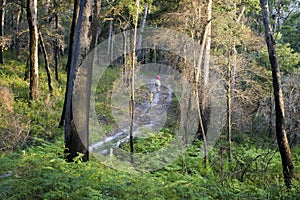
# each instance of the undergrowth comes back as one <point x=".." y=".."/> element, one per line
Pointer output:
<point x="41" y="172"/>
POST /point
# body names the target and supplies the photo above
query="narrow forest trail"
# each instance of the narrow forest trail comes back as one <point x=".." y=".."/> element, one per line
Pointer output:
<point x="147" y="119"/>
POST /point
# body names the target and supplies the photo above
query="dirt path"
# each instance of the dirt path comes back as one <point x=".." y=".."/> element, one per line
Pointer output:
<point x="147" y="119"/>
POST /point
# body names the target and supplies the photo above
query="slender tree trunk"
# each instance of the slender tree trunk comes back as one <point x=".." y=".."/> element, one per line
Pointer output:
<point x="270" y="123"/>
<point x="207" y="49"/>
<point x="47" y="67"/>
<point x="202" y="124"/>
<point x="232" y="58"/>
<point x="141" y="52"/>
<point x="133" y="60"/>
<point x="283" y="144"/>
<point x="124" y="36"/>
<point x="110" y="43"/>
<point x="33" y="48"/>
<point x="16" y="33"/>
<point x="2" y="18"/>
<point x="68" y="66"/>
<point x="78" y="96"/>
<point x="27" y="70"/>
<point x="56" y="49"/>
<point x="72" y="33"/>
<point x="229" y="128"/>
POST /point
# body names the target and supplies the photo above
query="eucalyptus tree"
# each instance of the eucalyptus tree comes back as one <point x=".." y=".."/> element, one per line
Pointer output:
<point x="70" y="53"/>
<point x="133" y="66"/>
<point x="47" y="65"/>
<point x="232" y="65"/>
<point x="76" y="137"/>
<point x="2" y="19"/>
<point x="31" y="8"/>
<point x="283" y="144"/>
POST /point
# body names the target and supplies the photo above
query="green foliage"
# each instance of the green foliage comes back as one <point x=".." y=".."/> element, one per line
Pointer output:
<point x="23" y="122"/>
<point x="153" y="142"/>
<point x="103" y="93"/>
<point x="290" y="31"/>
<point x="42" y="173"/>
<point x="252" y="6"/>
<point x="289" y="61"/>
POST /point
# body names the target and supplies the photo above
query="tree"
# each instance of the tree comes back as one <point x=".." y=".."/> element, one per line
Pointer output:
<point x="141" y="52"/>
<point x="2" y="18"/>
<point x="47" y="66"/>
<point x="71" y="47"/>
<point x="203" y="59"/>
<point x="16" y="39"/>
<point x="56" y="48"/>
<point x="283" y="144"/>
<point x="133" y="63"/>
<point x="232" y="65"/>
<point x="76" y="137"/>
<point x="33" y="48"/>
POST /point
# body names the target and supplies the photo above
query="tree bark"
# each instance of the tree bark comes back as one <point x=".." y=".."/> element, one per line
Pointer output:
<point x="33" y="48"/>
<point x="283" y="144"/>
<point x="231" y="84"/>
<point x="132" y="101"/>
<point x="56" y="49"/>
<point x="16" y="33"/>
<point x="202" y="99"/>
<point x="2" y="18"/>
<point x="141" y="52"/>
<point x="124" y="37"/>
<point x="229" y="99"/>
<point x="47" y="67"/>
<point x="72" y="33"/>
<point x="110" y="41"/>
<point x="78" y="95"/>
<point x="68" y="66"/>
<point x="207" y="48"/>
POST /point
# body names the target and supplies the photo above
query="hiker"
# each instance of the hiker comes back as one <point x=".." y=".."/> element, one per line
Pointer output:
<point x="151" y="97"/>
<point x="157" y="83"/>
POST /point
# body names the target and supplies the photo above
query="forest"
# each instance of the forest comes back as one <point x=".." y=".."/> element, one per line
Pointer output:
<point x="149" y="99"/>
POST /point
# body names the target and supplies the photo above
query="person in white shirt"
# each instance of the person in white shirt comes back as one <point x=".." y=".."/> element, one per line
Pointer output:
<point x="157" y="83"/>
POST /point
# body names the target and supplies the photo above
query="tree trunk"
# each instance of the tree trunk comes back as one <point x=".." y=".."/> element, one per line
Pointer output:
<point x="229" y="128"/>
<point x="78" y="95"/>
<point x="47" y="67"/>
<point x="202" y="127"/>
<point x="72" y="33"/>
<point x="124" y="37"/>
<point x="16" y="33"/>
<point x="56" y="49"/>
<point x="231" y="84"/>
<point x="133" y="60"/>
<point x="283" y="145"/>
<point x="2" y="18"/>
<point x="207" y="48"/>
<point x="110" y="43"/>
<point x="33" y="48"/>
<point x="141" y="52"/>
<point x="27" y="71"/>
<point x="68" y="66"/>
